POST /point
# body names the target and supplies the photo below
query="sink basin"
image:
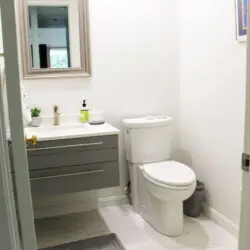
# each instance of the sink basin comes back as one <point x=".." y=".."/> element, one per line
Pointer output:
<point x="49" y="130"/>
<point x="55" y="128"/>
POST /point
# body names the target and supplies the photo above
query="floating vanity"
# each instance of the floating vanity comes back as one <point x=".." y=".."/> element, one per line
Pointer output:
<point x="73" y="158"/>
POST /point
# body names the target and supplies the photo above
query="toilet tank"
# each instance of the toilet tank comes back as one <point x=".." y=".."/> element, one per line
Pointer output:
<point x="148" y="139"/>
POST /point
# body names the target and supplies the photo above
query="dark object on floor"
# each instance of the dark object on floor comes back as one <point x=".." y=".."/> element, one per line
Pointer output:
<point x="193" y="205"/>
<point x="106" y="242"/>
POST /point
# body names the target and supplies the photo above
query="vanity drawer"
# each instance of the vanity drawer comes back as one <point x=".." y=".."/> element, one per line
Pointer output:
<point x="85" y="143"/>
<point x="74" y="179"/>
<point x="66" y="158"/>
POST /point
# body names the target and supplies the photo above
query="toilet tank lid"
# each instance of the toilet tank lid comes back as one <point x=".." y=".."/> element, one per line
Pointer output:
<point x="170" y="173"/>
<point x="147" y="121"/>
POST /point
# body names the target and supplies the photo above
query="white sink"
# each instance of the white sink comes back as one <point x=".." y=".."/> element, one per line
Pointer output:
<point x="69" y="130"/>
<point x="49" y="130"/>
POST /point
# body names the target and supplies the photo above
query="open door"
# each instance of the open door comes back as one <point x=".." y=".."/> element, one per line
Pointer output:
<point x="244" y="233"/>
<point x="9" y="236"/>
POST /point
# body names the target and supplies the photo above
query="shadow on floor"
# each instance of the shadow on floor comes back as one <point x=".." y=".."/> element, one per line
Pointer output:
<point x="194" y="234"/>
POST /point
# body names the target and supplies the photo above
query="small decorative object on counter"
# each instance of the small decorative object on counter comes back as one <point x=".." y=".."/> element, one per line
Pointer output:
<point x="32" y="140"/>
<point x="96" y="118"/>
<point x="35" y="115"/>
<point x="56" y="115"/>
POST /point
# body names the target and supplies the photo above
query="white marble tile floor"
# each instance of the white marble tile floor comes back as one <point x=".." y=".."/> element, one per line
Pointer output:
<point x="133" y="231"/>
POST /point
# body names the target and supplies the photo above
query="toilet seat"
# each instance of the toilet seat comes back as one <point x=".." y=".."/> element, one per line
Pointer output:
<point x="169" y="174"/>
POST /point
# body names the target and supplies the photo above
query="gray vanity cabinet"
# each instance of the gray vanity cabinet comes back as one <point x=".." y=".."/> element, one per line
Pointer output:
<point x="73" y="165"/>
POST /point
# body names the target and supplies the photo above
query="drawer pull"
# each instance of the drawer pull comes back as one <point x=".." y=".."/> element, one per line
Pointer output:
<point x="68" y="146"/>
<point x="66" y="175"/>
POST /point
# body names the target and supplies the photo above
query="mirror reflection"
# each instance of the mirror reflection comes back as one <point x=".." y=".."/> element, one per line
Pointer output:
<point x="49" y="37"/>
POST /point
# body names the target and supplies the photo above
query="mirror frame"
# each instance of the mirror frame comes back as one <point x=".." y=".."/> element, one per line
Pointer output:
<point x="85" y="67"/>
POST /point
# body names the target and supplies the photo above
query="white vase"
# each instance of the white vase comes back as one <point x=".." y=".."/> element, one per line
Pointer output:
<point x="36" y="121"/>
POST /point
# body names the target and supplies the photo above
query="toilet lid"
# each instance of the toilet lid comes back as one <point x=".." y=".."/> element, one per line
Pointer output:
<point x="170" y="173"/>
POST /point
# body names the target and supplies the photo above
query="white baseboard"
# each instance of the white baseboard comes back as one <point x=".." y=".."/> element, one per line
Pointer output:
<point x="221" y="220"/>
<point x="114" y="200"/>
<point x="79" y="206"/>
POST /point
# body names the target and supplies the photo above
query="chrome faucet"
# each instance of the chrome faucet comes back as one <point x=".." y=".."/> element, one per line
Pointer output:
<point x="56" y="115"/>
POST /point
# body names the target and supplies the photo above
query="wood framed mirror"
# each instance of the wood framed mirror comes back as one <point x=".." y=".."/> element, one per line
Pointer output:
<point x="54" y="38"/>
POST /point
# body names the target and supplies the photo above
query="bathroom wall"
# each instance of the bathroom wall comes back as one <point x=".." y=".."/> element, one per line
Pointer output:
<point x="134" y="59"/>
<point x="135" y="69"/>
<point x="212" y="95"/>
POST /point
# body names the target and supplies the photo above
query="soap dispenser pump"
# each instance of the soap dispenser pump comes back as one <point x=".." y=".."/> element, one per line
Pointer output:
<point x="84" y="112"/>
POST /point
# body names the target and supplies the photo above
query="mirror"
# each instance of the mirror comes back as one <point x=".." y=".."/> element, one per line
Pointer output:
<point x="49" y="37"/>
<point x="55" y="38"/>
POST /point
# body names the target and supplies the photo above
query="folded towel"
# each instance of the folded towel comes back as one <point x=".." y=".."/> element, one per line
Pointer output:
<point x="25" y="109"/>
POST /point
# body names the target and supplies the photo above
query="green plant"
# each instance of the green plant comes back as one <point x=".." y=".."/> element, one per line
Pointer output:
<point x="35" y="112"/>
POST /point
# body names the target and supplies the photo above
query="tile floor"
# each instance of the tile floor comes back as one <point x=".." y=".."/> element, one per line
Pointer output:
<point x="133" y="231"/>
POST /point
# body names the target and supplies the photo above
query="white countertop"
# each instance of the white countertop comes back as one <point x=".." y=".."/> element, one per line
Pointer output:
<point x="70" y="130"/>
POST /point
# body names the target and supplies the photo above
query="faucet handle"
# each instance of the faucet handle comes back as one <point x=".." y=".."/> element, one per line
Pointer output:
<point x="56" y="115"/>
<point x="56" y="108"/>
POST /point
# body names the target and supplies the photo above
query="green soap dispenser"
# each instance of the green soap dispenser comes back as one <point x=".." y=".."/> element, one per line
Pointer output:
<point x="84" y="113"/>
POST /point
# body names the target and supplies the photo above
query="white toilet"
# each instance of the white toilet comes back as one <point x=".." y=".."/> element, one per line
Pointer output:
<point x="159" y="185"/>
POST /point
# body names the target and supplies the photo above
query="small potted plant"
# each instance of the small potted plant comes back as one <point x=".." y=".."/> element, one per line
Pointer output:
<point x="35" y="115"/>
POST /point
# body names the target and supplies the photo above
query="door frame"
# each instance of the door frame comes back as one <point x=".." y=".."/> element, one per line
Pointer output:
<point x="244" y="227"/>
<point x="9" y="237"/>
<point x="20" y="163"/>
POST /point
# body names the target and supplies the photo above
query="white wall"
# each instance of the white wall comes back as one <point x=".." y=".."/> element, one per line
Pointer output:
<point x="135" y="66"/>
<point x="212" y="83"/>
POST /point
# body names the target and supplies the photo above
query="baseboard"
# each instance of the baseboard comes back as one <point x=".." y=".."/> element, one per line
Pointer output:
<point x="79" y="206"/>
<point x="114" y="200"/>
<point x="221" y="220"/>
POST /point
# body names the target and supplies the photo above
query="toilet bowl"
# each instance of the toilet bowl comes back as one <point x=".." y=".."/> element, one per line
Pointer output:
<point x="159" y="185"/>
<point x="169" y="183"/>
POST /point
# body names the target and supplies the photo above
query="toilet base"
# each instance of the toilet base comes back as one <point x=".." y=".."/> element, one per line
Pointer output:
<point x="166" y="217"/>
